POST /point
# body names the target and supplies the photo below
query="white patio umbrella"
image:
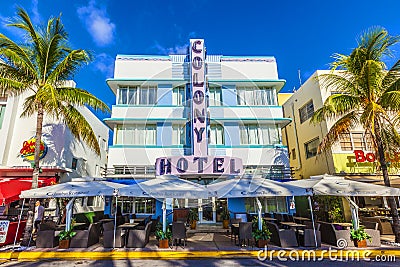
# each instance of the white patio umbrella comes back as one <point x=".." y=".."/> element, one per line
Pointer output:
<point x="255" y="187"/>
<point x="339" y="186"/>
<point x="73" y="190"/>
<point x="167" y="186"/>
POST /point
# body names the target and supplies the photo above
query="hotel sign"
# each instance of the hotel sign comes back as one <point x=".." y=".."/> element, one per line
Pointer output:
<point x="193" y="165"/>
<point x="199" y="162"/>
<point x="199" y="108"/>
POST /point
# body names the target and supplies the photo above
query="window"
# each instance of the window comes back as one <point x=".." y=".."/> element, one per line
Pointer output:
<point x="216" y="134"/>
<point x="178" y="134"/>
<point x="355" y="141"/>
<point x="254" y="134"/>
<point x="136" y="134"/>
<point x="90" y="201"/>
<point x="311" y="148"/>
<point x="137" y="95"/>
<point x="74" y="163"/>
<point x="2" y="111"/>
<point x="293" y="153"/>
<point x="306" y="111"/>
<point x="178" y="96"/>
<point x="145" y="205"/>
<point x="215" y="96"/>
<point x="275" y="204"/>
<point x="254" y="96"/>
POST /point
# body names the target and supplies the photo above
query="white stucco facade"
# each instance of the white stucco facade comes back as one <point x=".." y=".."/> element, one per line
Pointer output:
<point x="63" y="148"/>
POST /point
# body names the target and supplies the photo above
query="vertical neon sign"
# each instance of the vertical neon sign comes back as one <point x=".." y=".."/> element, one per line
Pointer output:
<point x="199" y="108"/>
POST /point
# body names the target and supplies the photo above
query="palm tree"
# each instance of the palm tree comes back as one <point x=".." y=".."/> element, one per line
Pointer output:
<point x="367" y="94"/>
<point x="39" y="68"/>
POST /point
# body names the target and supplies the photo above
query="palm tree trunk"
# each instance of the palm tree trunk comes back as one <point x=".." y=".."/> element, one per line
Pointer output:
<point x="26" y="241"/>
<point x="392" y="202"/>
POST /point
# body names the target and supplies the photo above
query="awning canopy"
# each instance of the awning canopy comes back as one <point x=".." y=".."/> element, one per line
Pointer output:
<point x="166" y="187"/>
<point x="74" y="189"/>
<point x="10" y="188"/>
<point x="255" y="187"/>
<point x="338" y="186"/>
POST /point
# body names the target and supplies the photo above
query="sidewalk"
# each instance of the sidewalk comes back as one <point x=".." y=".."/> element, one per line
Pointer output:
<point x="199" y="245"/>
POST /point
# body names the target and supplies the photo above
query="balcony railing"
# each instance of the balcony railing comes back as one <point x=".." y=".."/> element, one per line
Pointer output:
<point x="127" y="170"/>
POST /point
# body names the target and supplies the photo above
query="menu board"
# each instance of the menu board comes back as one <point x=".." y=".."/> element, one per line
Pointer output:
<point x="3" y="230"/>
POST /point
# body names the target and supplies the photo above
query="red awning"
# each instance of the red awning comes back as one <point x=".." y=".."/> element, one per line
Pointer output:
<point x="10" y="188"/>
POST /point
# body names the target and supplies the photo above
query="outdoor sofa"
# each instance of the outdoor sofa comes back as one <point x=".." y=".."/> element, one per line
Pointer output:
<point x="330" y="235"/>
<point x="86" y="238"/>
<point x="138" y="238"/>
<point x="282" y="237"/>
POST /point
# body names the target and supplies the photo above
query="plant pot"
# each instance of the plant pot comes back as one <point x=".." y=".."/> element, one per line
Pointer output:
<point x="163" y="243"/>
<point x="225" y="224"/>
<point x="360" y="243"/>
<point x="63" y="244"/>
<point x="193" y="224"/>
<point x="261" y="243"/>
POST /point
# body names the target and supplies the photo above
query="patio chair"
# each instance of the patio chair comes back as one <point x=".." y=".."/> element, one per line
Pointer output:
<point x="282" y="237"/>
<point x="108" y="238"/>
<point x="234" y="230"/>
<point x="46" y="237"/>
<point x="138" y="238"/>
<point x="108" y="226"/>
<point x="154" y="223"/>
<point x="86" y="238"/>
<point x="178" y="232"/>
<point x="307" y="236"/>
<point x="245" y="232"/>
<point x="279" y="217"/>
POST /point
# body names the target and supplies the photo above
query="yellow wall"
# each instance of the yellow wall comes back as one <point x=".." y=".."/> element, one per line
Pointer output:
<point x="282" y="97"/>
<point x="347" y="163"/>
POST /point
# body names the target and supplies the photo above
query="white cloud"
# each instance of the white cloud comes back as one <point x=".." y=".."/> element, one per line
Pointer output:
<point x="105" y="64"/>
<point x="35" y="10"/>
<point x="98" y="23"/>
<point x="176" y="50"/>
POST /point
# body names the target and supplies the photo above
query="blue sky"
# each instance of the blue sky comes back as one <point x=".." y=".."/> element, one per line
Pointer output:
<point x="302" y="35"/>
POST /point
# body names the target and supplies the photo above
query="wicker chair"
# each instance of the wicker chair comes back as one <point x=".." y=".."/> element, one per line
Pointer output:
<point x="138" y="238"/>
<point x="178" y="232"/>
<point x="108" y="238"/>
<point x="282" y="237"/>
<point x="86" y="238"/>
<point x="245" y="232"/>
<point x="234" y="230"/>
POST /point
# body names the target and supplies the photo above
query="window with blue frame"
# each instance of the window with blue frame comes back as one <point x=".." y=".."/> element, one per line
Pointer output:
<point x="216" y="134"/>
<point x="215" y="96"/>
<point x="2" y="111"/>
<point x="178" y="134"/>
<point x="256" y="96"/>
<point x="259" y="134"/>
<point x="137" y="95"/>
<point x="140" y="134"/>
<point x="178" y="96"/>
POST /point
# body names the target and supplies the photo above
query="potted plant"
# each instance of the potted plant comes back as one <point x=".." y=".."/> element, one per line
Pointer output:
<point x="65" y="236"/>
<point x="262" y="236"/>
<point x="225" y="216"/>
<point x="193" y="218"/>
<point x="163" y="237"/>
<point x="360" y="237"/>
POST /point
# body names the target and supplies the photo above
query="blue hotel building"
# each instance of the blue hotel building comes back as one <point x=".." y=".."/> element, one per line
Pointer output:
<point x="172" y="110"/>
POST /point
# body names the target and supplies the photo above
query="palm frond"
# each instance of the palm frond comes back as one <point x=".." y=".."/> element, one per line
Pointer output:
<point x="80" y="97"/>
<point x="344" y="124"/>
<point x="79" y="127"/>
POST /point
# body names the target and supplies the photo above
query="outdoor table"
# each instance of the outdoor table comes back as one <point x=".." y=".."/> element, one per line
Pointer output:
<point x="62" y="226"/>
<point x="269" y="219"/>
<point x="301" y="219"/>
<point x="126" y="227"/>
<point x="138" y="220"/>
<point x="106" y="220"/>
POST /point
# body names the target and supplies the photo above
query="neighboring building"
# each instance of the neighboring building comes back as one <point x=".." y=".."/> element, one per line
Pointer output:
<point x="152" y="121"/>
<point x="302" y="139"/>
<point x="64" y="157"/>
